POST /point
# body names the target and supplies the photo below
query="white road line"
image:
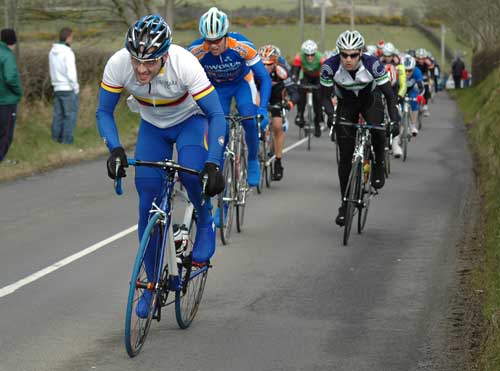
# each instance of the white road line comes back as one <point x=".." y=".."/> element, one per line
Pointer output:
<point x="286" y="149"/>
<point x="7" y="290"/>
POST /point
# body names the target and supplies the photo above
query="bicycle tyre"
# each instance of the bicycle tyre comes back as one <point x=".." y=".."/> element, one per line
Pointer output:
<point x="404" y="136"/>
<point x="337" y="152"/>
<point x="352" y="192"/>
<point x="192" y="285"/>
<point x="420" y="115"/>
<point x="269" y="175"/>
<point x="365" y="197"/>
<point x="226" y="221"/>
<point x="387" y="162"/>
<point x="242" y="187"/>
<point x="310" y="125"/>
<point x="136" y="328"/>
<point x="262" y="156"/>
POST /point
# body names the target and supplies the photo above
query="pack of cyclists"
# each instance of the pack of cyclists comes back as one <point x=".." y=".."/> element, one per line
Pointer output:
<point x="183" y="94"/>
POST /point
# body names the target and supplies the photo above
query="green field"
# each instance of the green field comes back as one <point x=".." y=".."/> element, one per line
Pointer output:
<point x="287" y="37"/>
<point x="286" y="5"/>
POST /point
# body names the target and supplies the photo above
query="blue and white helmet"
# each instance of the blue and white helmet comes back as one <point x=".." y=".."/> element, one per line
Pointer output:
<point x="350" y="40"/>
<point x="409" y="62"/>
<point x="149" y="38"/>
<point x="213" y="24"/>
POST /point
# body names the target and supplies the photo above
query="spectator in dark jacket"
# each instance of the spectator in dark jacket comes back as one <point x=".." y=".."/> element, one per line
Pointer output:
<point x="10" y="89"/>
<point x="457" y="68"/>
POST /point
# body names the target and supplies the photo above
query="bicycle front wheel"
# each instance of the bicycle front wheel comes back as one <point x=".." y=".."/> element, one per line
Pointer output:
<point x="138" y="321"/>
<point x="191" y="286"/>
<point x="387" y="161"/>
<point x="405" y="135"/>
<point x="310" y="126"/>
<point x="352" y="192"/>
<point x="263" y="150"/>
<point x="365" y="196"/>
<point x="420" y="115"/>
<point x="227" y="201"/>
<point x="241" y="172"/>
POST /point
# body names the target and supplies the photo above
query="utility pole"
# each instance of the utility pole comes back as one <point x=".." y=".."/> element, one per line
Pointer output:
<point x="443" y="32"/>
<point x="322" y="4"/>
<point x="168" y="9"/>
<point x="10" y="10"/>
<point x="352" y="13"/>
<point x="322" y="28"/>
<point x="301" y="20"/>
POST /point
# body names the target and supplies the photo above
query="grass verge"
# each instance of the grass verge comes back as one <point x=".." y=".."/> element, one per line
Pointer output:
<point x="33" y="150"/>
<point x="482" y="115"/>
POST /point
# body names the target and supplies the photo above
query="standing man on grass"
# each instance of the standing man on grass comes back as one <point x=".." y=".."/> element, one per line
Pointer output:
<point x="66" y="89"/>
<point x="10" y="90"/>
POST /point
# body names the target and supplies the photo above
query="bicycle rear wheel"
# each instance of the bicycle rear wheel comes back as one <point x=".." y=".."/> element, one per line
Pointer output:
<point x="242" y="172"/>
<point x="352" y="192"/>
<point x="191" y="286"/>
<point x="226" y="201"/>
<point x="137" y="328"/>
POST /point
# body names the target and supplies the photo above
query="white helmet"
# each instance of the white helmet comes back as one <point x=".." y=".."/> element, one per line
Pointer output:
<point x="421" y="53"/>
<point x="388" y="50"/>
<point x="371" y="49"/>
<point x="409" y="62"/>
<point x="309" y="47"/>
<point x="350" y="40"/>
<point x="213" y="24"/>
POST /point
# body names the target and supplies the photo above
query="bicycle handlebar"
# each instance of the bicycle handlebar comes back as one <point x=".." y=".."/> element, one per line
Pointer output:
<point x="239" y="118"/>
<point x="362" y="126"/>
<point x="282" y="105"/>
<point x="167" y="165"/>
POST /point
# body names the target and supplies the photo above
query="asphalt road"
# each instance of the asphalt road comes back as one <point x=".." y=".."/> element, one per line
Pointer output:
<point x="284" y="295"/>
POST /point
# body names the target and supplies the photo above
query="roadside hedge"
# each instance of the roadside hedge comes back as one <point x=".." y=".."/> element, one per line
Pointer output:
<point x="34" y="71"/>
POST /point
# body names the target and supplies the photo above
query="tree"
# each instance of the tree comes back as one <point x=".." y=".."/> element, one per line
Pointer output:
<point x="476" y="22"/>
<point x="125" y="12"/>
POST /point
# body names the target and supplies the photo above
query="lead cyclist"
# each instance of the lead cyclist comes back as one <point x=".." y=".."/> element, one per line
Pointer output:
<point x="177" y="104"/>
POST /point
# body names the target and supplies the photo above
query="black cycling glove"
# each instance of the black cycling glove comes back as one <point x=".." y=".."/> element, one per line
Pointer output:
<point x="117" y="153"/>
<point x="215" y="179"/>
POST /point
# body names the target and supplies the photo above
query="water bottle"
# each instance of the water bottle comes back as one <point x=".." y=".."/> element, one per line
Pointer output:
<point x="366" y="170"/>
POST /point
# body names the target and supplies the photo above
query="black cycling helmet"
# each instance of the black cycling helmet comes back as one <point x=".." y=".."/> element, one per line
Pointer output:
<point x="149" y="38"/>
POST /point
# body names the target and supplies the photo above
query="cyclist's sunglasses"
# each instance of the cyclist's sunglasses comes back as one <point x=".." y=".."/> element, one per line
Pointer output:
<point x="217" y="41"/>
<point x="347" y="55"/>
<point x="145" y="62"/>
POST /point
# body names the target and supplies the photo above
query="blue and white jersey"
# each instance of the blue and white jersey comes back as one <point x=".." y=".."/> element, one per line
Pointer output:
<point x="369" y="74"/>
<point x="416" y="77"/>
<point x="232" y="65"/>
